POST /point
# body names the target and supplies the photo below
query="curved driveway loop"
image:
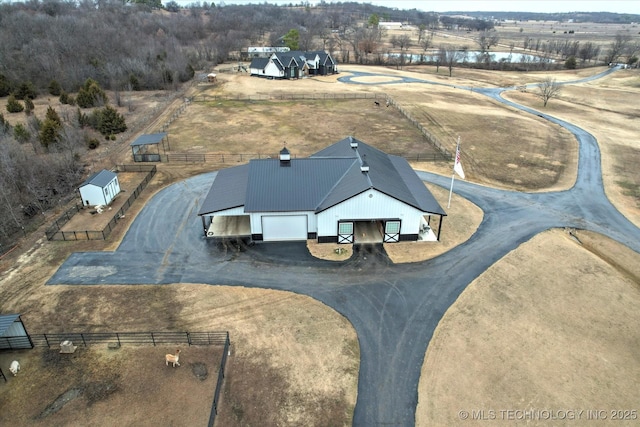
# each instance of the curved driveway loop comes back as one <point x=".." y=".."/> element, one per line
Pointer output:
<point x="394" y="308"/>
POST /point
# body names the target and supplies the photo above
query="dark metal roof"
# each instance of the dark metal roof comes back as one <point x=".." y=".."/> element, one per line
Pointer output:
<point x="391" y="175"/>
<point x="259" y="63"/>
<point x="298" y="185"/>
<point x="148" y="139"/>
<point x="319" y="182"/>
<point x="227" y="191"/>
<point x="100" y="179"/>
<point x="6" y="320"/>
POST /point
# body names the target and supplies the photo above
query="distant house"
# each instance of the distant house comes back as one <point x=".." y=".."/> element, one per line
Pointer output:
<point x="293" y="65"/>
<point x="348" y="193"/>
<point x="100" y="188"/>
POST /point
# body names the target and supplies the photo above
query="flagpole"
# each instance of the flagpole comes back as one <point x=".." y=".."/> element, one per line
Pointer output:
<point x="453" y="175"/>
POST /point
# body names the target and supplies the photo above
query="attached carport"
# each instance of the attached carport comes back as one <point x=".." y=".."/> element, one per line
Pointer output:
<point x="229" y="226"/>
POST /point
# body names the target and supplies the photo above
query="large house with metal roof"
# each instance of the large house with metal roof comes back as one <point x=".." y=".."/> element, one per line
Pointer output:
<point x="349" y="192"/>
<point x="293" y="65"/>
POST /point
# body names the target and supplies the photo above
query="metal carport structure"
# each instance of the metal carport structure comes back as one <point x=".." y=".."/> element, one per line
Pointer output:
<point x="141" y="151"/>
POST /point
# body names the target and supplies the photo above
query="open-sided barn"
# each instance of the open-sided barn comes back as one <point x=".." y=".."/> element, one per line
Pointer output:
<point x="348" y="192"/>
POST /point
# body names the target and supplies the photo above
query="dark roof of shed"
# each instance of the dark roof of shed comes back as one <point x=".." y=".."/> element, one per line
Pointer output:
<point x="148" y="139"/>
<point x="6" y="320"/>
<point x="319" y="182"/>
<point x="100" y="179"/>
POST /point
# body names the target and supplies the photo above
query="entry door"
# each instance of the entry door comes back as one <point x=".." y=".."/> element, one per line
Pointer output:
<point x="392" y="231"/>
<point x="345" y="232"/>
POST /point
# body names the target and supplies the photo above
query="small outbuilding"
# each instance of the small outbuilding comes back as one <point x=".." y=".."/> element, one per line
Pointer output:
<point x="100" y="188"/>
<point x="13" y="334"/>
<point x="146" y="148"/>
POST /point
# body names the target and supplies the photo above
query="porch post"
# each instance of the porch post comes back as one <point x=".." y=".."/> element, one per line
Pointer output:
<point x="440" y="226"/>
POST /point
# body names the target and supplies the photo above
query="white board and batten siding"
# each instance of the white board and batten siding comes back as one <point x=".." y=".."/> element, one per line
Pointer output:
<point x="372" y="205"/>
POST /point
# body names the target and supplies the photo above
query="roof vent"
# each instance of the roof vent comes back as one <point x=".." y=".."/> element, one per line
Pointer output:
<point x="353" y="142"/>
<point x="364" y="167"/>
<point x="285" y="157"/>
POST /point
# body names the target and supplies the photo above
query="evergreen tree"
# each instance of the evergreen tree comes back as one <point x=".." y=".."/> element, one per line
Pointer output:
<point x="5" y="86"/>
<point x="91" y="95"/>
<point x="110" y="121"/>
<point x="52" y="115"/>
<point x="292" y="39"/>
<point x="49" y="133"/>
<point x="570" y="63"/>
<point x="26" y="90"/>
<point x="20" y="133"/>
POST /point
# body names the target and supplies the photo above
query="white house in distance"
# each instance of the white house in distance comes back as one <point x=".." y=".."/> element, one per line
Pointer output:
<point x="293" y="65"/>
<point x="348" y="192"/>
<point x="100" y="188"/>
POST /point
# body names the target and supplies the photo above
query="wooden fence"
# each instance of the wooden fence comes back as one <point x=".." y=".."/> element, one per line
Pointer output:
<point x="54" y="232"/>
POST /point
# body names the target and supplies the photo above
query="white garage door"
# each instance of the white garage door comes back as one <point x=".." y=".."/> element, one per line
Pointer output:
<point x="286" y="227"/>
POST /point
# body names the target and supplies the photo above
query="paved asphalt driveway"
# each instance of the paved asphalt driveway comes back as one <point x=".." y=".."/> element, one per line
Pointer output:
<point x="394" y="308"/>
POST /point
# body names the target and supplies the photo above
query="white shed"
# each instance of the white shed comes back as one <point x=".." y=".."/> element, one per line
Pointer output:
<point x="100" y="188"/>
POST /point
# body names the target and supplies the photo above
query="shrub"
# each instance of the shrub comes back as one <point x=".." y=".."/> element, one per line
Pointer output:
<point x="570" y="63"/>
<point x="20" y="133"/>
<point x="13" y="105"/>
<point x="28" y="106"/>
<point x="54" y="88"/>
<point x="93" y="143"/>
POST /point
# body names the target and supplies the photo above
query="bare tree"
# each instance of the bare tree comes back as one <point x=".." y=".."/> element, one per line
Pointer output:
<point x="485" y="41"/>
<point x="549" y="88"/>
<point x="449" y="55"/>
<point x="617" y="47"/>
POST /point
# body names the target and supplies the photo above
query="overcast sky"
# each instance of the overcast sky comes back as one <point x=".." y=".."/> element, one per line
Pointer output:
<point x="544" y="6"/>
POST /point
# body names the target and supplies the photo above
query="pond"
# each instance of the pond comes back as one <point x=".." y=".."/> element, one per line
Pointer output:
<point x="477" y="57"/>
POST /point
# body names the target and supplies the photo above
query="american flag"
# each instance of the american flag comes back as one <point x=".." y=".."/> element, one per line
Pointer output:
<point x="457" y="166"/>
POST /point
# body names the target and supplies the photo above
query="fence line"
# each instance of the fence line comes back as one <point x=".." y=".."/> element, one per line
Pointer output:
<point x="445" y="154"/>
<point x="291" y="96"/>
<point x="243" y="157"/>
<point x="54" y="232"/>
<point x="216" y="393"/>
<point x="119" y="338"/>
